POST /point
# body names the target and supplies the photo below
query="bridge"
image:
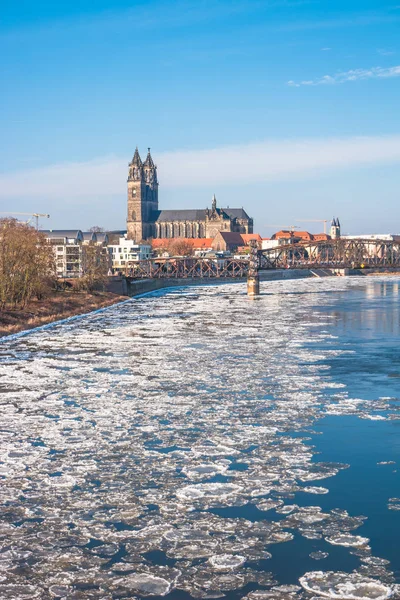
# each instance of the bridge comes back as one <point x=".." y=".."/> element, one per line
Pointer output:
<point x="332" y="254"/>
<point x="188" y="268"/>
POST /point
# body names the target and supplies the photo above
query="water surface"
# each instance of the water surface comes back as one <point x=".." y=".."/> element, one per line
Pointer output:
<point x="197" y="444"/>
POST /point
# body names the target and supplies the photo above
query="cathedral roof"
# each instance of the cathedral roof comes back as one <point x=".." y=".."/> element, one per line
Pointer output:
<point x="198" y="214"/>
<point x="236" y="213"/>
<point x="181" y="215"/>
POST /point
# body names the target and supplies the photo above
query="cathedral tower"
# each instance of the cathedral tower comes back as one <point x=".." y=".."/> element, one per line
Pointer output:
<point x="142" y="198"/>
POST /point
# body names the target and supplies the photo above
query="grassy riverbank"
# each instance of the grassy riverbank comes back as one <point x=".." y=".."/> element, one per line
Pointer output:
<point x="60" y="305"/>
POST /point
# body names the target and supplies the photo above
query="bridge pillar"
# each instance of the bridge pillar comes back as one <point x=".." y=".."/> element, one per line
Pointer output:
<point x="253" y="278"/>
<point x="253" y="286"/>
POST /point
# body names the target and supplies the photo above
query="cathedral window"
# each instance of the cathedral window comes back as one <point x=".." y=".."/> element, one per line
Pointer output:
<point x="133" y="216"/>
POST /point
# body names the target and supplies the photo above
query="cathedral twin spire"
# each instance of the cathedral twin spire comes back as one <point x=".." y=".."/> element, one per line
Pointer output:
<point x="139" y="170"/>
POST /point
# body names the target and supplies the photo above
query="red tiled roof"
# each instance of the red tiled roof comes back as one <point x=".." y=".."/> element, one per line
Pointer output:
<point x="231" y="237"/>
<point x="286" y="234"/>
<point x="247" y="237"/>
<point x="319" y="237"/>
<point x="197" y="243"/>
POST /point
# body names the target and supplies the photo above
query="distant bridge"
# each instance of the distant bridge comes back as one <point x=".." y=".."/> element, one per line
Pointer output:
<point x="331" y="254"/>
<point x="335" y="254"/>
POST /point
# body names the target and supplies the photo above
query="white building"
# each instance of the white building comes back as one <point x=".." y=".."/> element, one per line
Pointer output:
<point x="267" y="244"/>
<point x="67" y="246"/>
<point x="126" y="252"/>
<point x="386" y="237"/>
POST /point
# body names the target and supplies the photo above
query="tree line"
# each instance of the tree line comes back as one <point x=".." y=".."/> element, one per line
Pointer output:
<point x="28" y="265"/>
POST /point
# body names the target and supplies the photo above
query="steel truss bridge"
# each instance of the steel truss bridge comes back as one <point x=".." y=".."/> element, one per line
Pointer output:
<point x="187" y="268"/>
<point x="334" y="254"/>
<point x="331" y="254"/>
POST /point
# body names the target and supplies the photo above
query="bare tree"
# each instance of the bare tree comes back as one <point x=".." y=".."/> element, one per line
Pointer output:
<point x="27" y="266"/>
<point x="96" y="229"/>
<point x="180" y="247"/>
<point x="95" y="265"/>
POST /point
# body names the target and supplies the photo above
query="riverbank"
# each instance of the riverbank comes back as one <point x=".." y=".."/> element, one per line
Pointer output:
<point x="60" y="305"/>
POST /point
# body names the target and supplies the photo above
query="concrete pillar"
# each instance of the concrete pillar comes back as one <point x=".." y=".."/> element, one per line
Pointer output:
<point x="253" y="286"/>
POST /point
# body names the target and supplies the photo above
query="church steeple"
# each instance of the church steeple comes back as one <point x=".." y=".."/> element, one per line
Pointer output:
<point x="335" y="228"/>
<point x="149" y="161"/>
<point x="136" y="160"/>
<point x="135" y="167"/>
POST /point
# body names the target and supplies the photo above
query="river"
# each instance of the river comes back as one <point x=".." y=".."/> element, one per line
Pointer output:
<point x="195" y="443"/>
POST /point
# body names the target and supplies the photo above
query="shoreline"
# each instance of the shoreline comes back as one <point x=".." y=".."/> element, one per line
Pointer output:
<point x="58" y="307"/>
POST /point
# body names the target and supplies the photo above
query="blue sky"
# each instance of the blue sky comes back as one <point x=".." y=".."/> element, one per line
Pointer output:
<point x="288" y="108"/>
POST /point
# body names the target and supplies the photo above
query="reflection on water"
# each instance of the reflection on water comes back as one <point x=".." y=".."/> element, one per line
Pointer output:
<point x="196" y="444"/>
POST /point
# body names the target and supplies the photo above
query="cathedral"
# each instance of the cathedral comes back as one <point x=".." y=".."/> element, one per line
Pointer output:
<point x="146" y="221"/>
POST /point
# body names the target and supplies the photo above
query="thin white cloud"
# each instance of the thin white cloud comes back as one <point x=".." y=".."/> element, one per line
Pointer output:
<point x="352" y="75"/>
<point x="80" y="183"/>
<point x="385" y="52"/>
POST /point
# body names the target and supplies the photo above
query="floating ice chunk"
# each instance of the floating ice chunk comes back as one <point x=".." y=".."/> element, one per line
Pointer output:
<point x="22" y="592"/>
<point x="310" y="489"/>
<point x="268" y="504"/>
<point x="208" y="490"/>
<point x="374" y="417"/>
<point x="319" y="555"/>
<point x="226" y="562"/>
<point x="218" y="450"/>
<point x="277" y="537"/>
<point x="60" y="591"/>
<point x="204" y="471"/>
<point x="286" y="510"/>
<point x="345" y="539"/>
<point x="144" y="584"/>
<point x="62" y="481"/>
<point x="344" y="586"/>
<point x="394" y="504"/>
<point x="260" y="491"/>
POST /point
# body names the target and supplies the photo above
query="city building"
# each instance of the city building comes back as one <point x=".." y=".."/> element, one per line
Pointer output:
<point x="386" y="237"/>
<point x="125" y="251"/>
<point x="230" y="241"/>
<point x="145" y="220"/>
<point x="169" y="246"/>
<point x="67" y="246"/>
<point x="70" y="249"/>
